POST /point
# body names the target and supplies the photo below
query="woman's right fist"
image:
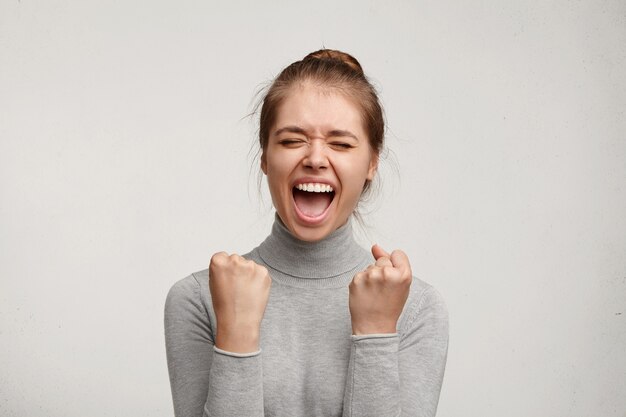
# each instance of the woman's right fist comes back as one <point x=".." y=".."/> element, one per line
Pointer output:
<point x="239" y="289"/>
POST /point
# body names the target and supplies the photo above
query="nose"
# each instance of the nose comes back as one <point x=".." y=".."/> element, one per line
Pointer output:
<point x="316" y="157"/>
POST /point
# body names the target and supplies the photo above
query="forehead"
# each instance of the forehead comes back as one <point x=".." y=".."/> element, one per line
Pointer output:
<point x="319" y="109"/>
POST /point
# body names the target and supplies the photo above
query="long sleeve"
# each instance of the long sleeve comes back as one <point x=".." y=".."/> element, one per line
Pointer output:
<point x="206" y="381"/>
<point x="401" y="374"/>
<point x="309" y="366"/>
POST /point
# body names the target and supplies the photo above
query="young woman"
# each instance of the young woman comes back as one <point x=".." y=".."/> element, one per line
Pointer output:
<point x="309" y="323"/>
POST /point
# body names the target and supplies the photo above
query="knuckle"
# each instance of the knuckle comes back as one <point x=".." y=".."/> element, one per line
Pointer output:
<point x="376" y="274"/>
<point x="390" y="272"/>
<point x="218" y="258"/>
<point x="387" y="269"/>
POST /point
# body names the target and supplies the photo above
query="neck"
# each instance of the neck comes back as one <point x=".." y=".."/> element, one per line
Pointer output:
<point x="335" y="255"/>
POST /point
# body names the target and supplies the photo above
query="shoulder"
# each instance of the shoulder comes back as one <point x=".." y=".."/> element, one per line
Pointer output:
<point x="425" y="294"/>
<point x="188" y="295"/>
<point x="255" y="255"/>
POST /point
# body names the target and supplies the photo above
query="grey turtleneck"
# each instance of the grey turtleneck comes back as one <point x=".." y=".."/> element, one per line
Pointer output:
<point x="309" y="363"/>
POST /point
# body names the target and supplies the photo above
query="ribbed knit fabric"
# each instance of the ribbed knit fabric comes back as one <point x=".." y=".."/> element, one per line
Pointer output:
<point x="309" y="364"/>
<point x="330" y="263"/>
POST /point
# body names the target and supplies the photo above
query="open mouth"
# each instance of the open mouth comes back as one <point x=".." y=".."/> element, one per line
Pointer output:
<point x="312" y="200"/>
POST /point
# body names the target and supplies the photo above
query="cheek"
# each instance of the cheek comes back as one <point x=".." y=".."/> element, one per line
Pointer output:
<point x="356" y="170"/>
<point x="269" y="164"/>
<point x="352" y="183"/>
<point x="276" y="168"/>
<point x="275" y="173"/>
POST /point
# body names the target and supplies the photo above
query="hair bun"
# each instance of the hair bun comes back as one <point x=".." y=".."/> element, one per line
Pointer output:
<point x="334" y="55"/>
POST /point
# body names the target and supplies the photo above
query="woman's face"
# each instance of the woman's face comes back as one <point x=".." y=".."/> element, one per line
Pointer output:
<point x="317" y="160"/>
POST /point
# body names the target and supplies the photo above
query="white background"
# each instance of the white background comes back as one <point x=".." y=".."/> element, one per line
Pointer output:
<point x="124" y="164"/>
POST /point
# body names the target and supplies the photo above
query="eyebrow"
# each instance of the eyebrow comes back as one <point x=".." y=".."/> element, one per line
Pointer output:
<point x="332" y="133"/>
<point x="290" y="129"/>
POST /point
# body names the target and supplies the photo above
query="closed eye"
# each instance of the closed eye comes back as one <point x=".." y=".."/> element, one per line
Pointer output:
<point x="290" y="142"/>
<point x="341" y="145"/>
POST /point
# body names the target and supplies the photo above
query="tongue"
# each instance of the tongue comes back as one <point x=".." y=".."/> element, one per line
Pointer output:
<point x="311" y="204"/>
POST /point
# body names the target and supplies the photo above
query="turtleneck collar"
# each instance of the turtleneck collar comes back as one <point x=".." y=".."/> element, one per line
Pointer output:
<point x="335" y="255"/>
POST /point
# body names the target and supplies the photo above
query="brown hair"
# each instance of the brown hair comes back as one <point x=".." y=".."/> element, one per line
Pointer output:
<point x="330" y="69"/>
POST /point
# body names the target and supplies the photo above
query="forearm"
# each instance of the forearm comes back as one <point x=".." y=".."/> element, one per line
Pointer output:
<point x="235" y="385"/>
<point x="372" y="384"/>
<point x="206" y="381"/>
<point x="400" y="374"/>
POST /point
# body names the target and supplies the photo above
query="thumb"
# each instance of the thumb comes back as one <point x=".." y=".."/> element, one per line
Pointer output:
<point x="379" y="252"/>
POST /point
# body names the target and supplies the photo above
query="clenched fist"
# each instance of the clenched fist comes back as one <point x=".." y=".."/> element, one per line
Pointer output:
<point x="240" y="289"/>
<point x="378" y="294"/>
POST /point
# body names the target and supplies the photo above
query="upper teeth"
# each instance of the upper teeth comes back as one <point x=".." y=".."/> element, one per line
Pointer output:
<point x="315" y="187"/>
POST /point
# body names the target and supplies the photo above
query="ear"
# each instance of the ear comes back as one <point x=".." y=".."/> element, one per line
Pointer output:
<point x="371" y="171"/>
<point x="263" y="163"/>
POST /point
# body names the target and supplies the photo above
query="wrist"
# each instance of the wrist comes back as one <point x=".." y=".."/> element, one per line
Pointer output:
<point x="360" y="329"/>
<point x="240" y="340"/>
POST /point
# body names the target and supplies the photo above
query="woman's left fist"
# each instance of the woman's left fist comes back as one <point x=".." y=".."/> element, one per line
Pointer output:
<point x="378" y="294"/>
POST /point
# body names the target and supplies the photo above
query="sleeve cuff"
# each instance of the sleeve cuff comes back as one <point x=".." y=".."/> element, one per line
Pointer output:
<point x="236" y="355"/>
<point x="356" y="338"/>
